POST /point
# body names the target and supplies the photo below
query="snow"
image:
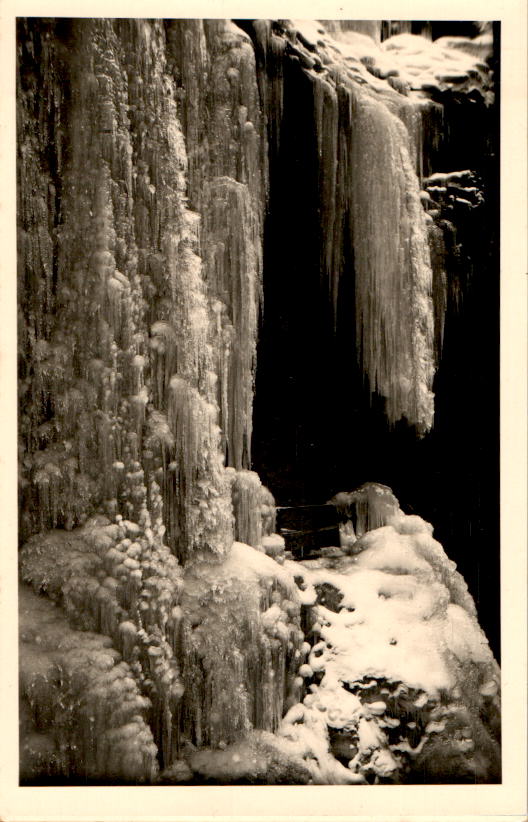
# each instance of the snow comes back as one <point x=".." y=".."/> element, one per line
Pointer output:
<point x="307" y="729"/>
<point x="444" y="62"/>
<point x="247" y="564"/>
<point x="391" y="592"/>
<point x="274" y="545"/>
<point x="405" y="618"/>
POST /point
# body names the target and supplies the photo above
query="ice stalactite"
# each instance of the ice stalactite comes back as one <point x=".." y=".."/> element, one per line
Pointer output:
<point x="232" y="262"/>
<point x="214" y="67"/>
<point x="370" y="148"/>
<point x="253" y="507"/>
<point x="242" y="638"/>
<point x="369" y="202"/>
<point x="437" y="246"/>
<point x="393" y="272"/>
<point x="197" y="488"/>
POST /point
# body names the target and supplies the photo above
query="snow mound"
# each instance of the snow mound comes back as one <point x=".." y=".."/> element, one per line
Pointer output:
<point x="402" y="674"/>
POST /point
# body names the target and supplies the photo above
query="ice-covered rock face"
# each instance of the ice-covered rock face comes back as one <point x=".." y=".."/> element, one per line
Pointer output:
<point x="135" y="350"/>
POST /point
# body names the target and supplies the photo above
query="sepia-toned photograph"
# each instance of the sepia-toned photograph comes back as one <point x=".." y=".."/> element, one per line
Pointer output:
<point x="264" y="391"/>
<point x="258" y="401"/>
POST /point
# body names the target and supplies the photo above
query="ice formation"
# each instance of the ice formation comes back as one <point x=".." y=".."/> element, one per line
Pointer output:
<point x="167" y="636"/>
<point x="368" y="507"/>
<point x="242" y="640"/>
<point x="214" y="66"/>
<point x="377" y="126"/>
<point x="139" y="393"/>
<point x="118" y="579"/>
<point x="369" y="195"/>
<point x="253" y="508"/>
<point x="82" y="714"/>
<point x="398" y="666"/>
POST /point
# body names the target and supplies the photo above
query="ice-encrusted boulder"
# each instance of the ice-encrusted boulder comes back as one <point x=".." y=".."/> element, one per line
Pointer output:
<point x="400" y="677"/>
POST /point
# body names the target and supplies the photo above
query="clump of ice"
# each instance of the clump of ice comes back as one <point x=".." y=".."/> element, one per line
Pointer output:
<point x="253" y="507"/>
<point x="367" y="507"/>
<point x="401" y="636"/>
<point x="241" y="641"/>
<point x="79" y="693"/>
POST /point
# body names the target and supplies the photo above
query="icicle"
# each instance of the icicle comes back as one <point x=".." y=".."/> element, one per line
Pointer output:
<point x="272" y="49"/>
<point x="440" y="283"/>
<point x="198" y="492"/>
<point x="393" y="271"/>
<point x="329" y="145"/>
<point x="233" y="262"/>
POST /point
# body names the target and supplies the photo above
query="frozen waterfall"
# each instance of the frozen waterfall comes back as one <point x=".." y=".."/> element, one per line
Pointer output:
<point x="172" y="176"/>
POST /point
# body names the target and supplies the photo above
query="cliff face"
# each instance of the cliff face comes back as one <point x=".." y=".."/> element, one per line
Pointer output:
<point x="159" y="164"/>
